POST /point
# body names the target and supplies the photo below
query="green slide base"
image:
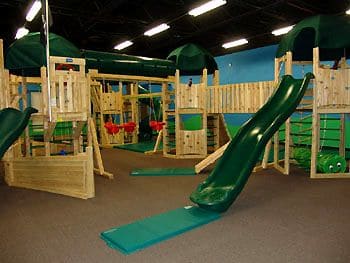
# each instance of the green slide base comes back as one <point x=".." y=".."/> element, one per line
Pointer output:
<point x="149" y="231"/>
<point x="163" y="171"/>
<point x="138" y="147"/>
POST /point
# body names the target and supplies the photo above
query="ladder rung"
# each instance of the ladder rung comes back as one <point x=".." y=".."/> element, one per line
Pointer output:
<point x="329" y="139"/>
<point x="301" y="134"/>
<point x="330" y="129"/>
<point x="330" y="119"/>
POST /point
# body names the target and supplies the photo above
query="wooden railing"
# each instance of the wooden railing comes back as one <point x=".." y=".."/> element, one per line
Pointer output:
<point x="238" y="98"/>
<point x="69" y="94"/>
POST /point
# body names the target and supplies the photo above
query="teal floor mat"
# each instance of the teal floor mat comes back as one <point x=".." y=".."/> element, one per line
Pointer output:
<point x="139" y="147"/>
<point x="149" y="231"/>
<point x="163" y="171"/>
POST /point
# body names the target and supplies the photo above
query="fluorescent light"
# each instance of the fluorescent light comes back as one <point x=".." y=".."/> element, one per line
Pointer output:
<point x="156" y="30"/>
<point x="123" y="45"/>
<point x="33" y="11"/>
<point x="206" y="7"/>
<point x="282" y="31"/>
<point x="145" y="58"/>
<point x="21" y="32"/>
<point x="235" y="43"/>
<point x="347" y="12"/>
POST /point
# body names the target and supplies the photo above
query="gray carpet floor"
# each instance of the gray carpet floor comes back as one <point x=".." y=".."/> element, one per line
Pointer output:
<point x="277" y="218"/>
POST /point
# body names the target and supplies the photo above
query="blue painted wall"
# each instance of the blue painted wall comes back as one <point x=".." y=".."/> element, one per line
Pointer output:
<point x="246" y="66"/>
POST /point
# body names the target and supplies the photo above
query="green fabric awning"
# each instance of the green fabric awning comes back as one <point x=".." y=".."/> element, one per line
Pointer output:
<point x="115" y="63"/>
<point x="330" y="33"/>
<point x="191" y="59"/>
<point x="25" y="56"/>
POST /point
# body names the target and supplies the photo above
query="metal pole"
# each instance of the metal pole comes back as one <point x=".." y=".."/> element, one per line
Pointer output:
<point x="46" y="28"/>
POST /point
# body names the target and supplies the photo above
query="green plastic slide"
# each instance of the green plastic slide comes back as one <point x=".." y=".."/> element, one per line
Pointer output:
<point x="231" y="173"/>
<point x="12" y="124"/>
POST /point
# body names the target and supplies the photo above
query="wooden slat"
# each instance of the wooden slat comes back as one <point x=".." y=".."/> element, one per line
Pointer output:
<point x="70" y="93"/>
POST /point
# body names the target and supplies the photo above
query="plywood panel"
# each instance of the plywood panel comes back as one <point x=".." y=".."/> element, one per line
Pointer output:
<point x="67" y="175"/>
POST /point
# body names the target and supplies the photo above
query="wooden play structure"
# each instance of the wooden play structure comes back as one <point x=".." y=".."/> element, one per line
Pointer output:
<point x="118" y="108"/>
<point x="185" y="101"/>
<point x="328" y="98"/>
<point x="234" y="98"/>
<point x="45" y="158"/>
<point x="209" y="103"/>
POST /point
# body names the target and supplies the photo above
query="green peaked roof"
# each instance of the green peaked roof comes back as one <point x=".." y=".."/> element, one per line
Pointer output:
<point x="28" y="53"/>
<point x="191" y="59"/>
<point x="330" y="33"/>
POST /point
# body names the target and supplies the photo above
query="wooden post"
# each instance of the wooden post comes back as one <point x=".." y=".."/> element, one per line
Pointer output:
<point x="315" y="116"/>
<point x="276" y="136"/>
<point x="178" y="140"/>
<point x="342" y="136"/>
<point x="203" y="105"/>
<point x="289" y="68"/>
<point x="216" y="78"/>
<point x="2" y="78"/>
<point x="90" y="182"/>
<point x="25" y="105"/>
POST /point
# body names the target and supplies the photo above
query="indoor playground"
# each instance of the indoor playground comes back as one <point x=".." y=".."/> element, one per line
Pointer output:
<point x="172" y="147"/>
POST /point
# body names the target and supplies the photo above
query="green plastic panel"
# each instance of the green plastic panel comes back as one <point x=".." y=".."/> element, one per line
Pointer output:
<point x="13" y="122"/>
<point x="191" y="59"/>
<point x="138" y="147"/>
<point x="327" y="162"/>
<point x="163" y="171"/>
<point x="331" y="33"/>
<point x="232" y="171"/>
<point x="146" y="232"/>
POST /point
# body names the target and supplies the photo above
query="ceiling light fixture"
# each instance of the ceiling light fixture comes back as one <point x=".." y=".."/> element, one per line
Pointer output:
<point x="33" y="11"/>
<point x="282" y="31"/>
<point x="123" y="45"/>
<point x="235" y="43"/>
<point x="156" y="30"/>
<point x="206" y="7"/>
<point x="21" y="32"/>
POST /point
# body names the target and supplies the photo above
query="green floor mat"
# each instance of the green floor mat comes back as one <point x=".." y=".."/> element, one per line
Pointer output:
<point x="146" y="232"/>
<point x="138" y="147"/>
<point x="163" y="171"/>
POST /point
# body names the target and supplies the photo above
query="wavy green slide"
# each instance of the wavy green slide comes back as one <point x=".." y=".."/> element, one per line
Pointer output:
<point x="229" y="176"/>
<point x="12" y="124"/>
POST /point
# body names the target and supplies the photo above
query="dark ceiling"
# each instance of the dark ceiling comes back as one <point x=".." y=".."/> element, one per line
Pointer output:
<point x="101" y="24"/>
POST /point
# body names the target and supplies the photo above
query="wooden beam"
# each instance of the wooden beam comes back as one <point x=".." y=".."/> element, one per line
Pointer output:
<point x="211" y="158"/>
<point x="129" y="78"/>
<point x="100" y="168"/>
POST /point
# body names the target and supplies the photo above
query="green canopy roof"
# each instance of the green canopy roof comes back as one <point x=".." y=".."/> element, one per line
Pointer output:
<point x="191" y="59"/>
<point x="114" y="63"/>
<point x="26" y="55"/>
<point x="328" y="32"/>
